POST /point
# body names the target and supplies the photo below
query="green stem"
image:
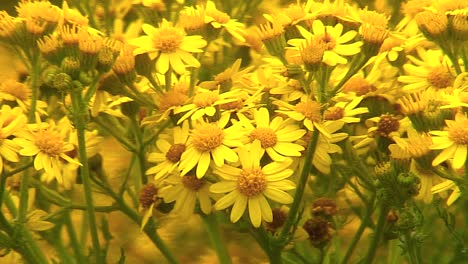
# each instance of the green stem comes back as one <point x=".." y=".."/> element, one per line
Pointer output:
<point x="80" y="114"/>
<point x="357" y="236"/>
<point x="291" y="219"/>
<point x="412" y="249"/>
<point x="74" y="239"/>
<point x="212" y="228"/>
<point x="378" y="232"/>
<point x="140" y="155"/>
<point x="28" y="247"/>
<point x="150" y="228"/>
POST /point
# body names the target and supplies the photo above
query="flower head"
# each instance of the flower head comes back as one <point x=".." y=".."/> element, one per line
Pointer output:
<point x="335" y="47"/>
<point x="211" y="142"/>
<point x="170" y="45"/>
<point x="453" y="141"/>
<point x="250" y="185"/>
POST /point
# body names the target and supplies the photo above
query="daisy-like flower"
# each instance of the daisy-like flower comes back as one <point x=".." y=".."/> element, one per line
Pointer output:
<point x="453" y="141"/>
<point x="276" y="135"/>
<point x="169" y="151"/>
<point x="429" y="71"/>
<point x="186" y="191"/>
<point x="307" y="112"/>
<point x="211" y="142"/>
<point x="250" y="185"/>
<point x="11" y="122"/>
<point x="229" y="77"/>
<point x="14" y="91"/>
<point x="345" y="112"/>
<point x="205" y="103"/>
<point x="334" y="41"/>
<point x="325" y="146"/>
<point x="218" y="19"/>
<point x="43" y="141"/>
<point x="170" y="46"/>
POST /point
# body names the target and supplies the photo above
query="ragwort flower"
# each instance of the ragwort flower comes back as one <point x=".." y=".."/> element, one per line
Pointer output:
<point x="47" y="145"/>
<point x="453" y="141"/>
<point x="333" y="39"/>
<point x="170" y="45"/>
<point x="276" y="136"/>
<point x="11" y="121"/>
<point x="185" y="191"/>
<point x="211" y="141"/>
<point x="167" y="158"/>
<point x="251" y="184"/>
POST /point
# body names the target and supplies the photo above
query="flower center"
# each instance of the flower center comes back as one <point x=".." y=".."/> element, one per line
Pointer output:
<point x="168" y="39"/>
<point x="334" y="113"/>
<point x="358" y="85"/>
<point x="49" y="142"/>
<point x="265" y="135"/>
<point x="440" y="77"/>
<point x="175" y="152"/>
<point x="148" y="195"/>
<point x="251" y="182"/>
<point x="388" y="124"/>
<point x="312" y="52"/>
<point x="170" y="99"/>
<point x="458" y="131"/>
<point x="206" y="99"/>
<point x="328" y="40"/>
<point x="311" y="110"/>
<point x="192" y="182"/>
<point x="207" y="137"/>
<point x="233" y="105"/>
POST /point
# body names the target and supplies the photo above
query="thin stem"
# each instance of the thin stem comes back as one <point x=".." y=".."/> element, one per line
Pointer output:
<point x="140" y="155"/>
<point x="212" y="228"/>
<point x="74" y="239"/>
<point x="79" y="112"/>
<point x="115" y="134"/>
<point x="150" y="228"/>
<point x="357" y="236"/>
<point x="291" y="219"/>
<point x="412" y="249"/>
<point x="378" y="232"/>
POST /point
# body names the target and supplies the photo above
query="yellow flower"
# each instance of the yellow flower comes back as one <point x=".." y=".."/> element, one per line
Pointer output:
<point x="325" y="146"/>
<point x="205" y="103"/>
<point x="431" y="71"/>
<point x="453" y="141"/>
<point x="11" y="122"/>
<point x="334" y="41"/>
<point x="170" y="46"/>
<point x="170" y="150"/>
<point x="445" y="186"/>
<point x="185" y="191"/>
<point x="11" y="90"/>
<point x="250" y="185"/>
<point x="346" y="111"/>
<point x="211" y="141"/>
<point x="47" y="145"/>
<point x="276" y="137"/>
<point x="218" y="19"/>
<point x="307" y="111"/>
